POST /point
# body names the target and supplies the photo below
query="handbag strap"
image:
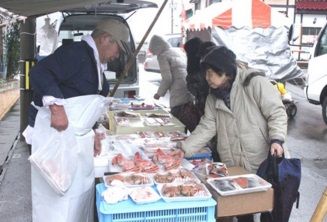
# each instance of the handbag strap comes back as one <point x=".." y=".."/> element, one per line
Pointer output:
<point x="274" y="161"/>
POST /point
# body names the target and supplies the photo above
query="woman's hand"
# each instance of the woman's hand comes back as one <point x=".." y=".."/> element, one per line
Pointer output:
<point x="276" y="149"/>
<point x="59" y="119"/>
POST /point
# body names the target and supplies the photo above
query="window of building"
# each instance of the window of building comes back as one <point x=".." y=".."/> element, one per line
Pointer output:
<point x="309" y="35"/>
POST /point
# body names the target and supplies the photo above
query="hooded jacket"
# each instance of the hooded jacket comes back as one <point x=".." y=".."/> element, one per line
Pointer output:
<point x="244" y="132"/>
<point x="172" y="63"/>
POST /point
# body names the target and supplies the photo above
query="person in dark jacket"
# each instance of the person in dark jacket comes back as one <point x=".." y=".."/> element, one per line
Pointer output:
<point x="73" y="70"/>
<point x="76" y="69"/>
<point x="196" y="83"/>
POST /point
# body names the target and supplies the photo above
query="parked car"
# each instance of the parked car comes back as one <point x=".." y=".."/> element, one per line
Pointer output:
<point x="81" y="21"/>
<point x="151" y="62"/>
<point x="316" y="88"/>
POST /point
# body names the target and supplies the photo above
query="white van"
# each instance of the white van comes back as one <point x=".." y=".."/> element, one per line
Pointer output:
<point x="316" y="88"/>
<point x="81" y="21"/>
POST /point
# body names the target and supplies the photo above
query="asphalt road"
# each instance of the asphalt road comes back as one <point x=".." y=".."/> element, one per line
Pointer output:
<point x="307" y="140"/>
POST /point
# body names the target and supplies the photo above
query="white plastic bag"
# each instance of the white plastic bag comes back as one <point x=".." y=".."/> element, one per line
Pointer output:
<point x="47" y="38"/>
<point x="55" y="160"/>
<point x="84" y="111"/>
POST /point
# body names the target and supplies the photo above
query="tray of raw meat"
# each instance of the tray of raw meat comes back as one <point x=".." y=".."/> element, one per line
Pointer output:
<point x="143" y="195"/>
<point x="128" y="179"/>
<point x="188" y="191"/>
<point x="173" y="176"/>
<point x="137" y="163"/>
<point x="233" y="185"/>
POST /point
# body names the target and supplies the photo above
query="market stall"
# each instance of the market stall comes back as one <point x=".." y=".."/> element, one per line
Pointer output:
<point x="144" y="176"/>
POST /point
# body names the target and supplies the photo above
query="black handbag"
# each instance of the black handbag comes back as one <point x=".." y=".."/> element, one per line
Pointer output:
<point x="285" y="176"/>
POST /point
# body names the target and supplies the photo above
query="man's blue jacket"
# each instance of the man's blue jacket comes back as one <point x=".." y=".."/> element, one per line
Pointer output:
<point x="70" y="71"/>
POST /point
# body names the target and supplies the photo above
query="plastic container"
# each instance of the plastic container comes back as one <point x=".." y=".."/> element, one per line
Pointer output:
<point x="233" y="185"/>
<point x="205" y="153"/>
<point x="160" y="211"/>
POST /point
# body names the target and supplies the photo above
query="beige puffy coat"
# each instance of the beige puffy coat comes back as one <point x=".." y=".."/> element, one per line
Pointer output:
<point x="172" y="63"/>
<point x="244" y="132"/>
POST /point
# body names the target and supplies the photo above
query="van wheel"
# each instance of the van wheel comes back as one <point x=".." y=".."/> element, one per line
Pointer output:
<point x="324" y="109"/>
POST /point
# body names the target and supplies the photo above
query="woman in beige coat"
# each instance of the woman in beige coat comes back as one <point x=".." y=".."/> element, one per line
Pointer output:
<point x="172" y="63"/>
<point x="243" y="109"/>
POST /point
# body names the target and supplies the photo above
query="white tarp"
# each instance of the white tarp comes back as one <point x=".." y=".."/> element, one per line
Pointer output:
<point x="237" y="13"/>
<point x="262" y="48"/>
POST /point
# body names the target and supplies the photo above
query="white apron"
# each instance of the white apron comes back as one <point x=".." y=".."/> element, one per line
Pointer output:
<point x="77" y="205"/>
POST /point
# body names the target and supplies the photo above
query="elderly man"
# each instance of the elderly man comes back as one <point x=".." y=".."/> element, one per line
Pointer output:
<point x="72" y="70"/>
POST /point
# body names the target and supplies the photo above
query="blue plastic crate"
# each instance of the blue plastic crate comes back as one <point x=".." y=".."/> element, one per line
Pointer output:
<point x="160" y="211"/>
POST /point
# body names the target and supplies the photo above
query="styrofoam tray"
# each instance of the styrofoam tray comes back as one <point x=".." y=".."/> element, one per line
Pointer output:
<point x="118" y="182"/>
<point x="204" y="195"/>
<point x="177" y="179"/>
<point x="233" y="185"/>
<point x="138" y="195"/>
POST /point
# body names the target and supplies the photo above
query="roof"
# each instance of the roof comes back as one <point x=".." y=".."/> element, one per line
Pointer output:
<point x="41" y="7"/>
<point x="314" y="5"/>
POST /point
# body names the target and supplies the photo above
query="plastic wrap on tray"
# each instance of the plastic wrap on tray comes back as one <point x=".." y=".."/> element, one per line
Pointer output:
<point x="179" y="175"/>
<point x="157" y="115"/>
<point x="136" y="163"/>
<point x="142" y="195"/>
<point x="233" y="185"/>
<point x="162" y="121"/>
<point x="130" y="115"/>
<point x="188" y="191"/>
<point x="216" y="169"/>
<point x="116" y="194"/>
<point x="141" y="106"/>
<point x="128" y="179"/>
<point x="168" y="159"/>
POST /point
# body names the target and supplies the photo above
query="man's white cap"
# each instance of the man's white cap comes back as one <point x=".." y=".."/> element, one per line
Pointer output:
<point x="116" y="29"/>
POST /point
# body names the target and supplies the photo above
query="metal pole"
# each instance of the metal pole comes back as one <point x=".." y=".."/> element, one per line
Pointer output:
<point x="27" y="49"/>
<point x="172" y="16"/>
<point x="132" y="57"/>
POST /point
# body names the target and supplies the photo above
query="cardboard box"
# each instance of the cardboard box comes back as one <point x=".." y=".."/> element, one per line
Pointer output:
<point x="139" y="126"/>
<point x="242" y="203"/>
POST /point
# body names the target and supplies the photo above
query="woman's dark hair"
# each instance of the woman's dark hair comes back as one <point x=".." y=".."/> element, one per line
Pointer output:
<point x="192" y="48"/>
<point x="221" y="60"/>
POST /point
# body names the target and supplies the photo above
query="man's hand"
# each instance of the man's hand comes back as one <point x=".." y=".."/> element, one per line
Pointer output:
<point x="97" y="142"/>
<point x="156" y="96"/>
<point x="276" y="149"/>
<point x="59" y="119"/>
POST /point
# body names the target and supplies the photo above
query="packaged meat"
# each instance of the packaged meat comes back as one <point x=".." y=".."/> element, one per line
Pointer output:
<point x="188" y="191"/>
<point x="144" y="195"/>
<point x="216" y="169"/>
<point x="233" y="185"/>
<point x="128" y="180"/>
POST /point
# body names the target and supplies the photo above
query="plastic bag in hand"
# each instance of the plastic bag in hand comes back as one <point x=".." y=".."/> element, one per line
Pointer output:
<point x="55" y="160"/>
<point x="47" y="38"/>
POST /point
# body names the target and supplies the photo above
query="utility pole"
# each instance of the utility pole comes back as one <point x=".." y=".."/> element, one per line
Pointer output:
<point x="172" y="16"/>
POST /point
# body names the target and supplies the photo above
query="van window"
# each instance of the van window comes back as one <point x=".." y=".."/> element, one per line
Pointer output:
<point x="322" y="44"/>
